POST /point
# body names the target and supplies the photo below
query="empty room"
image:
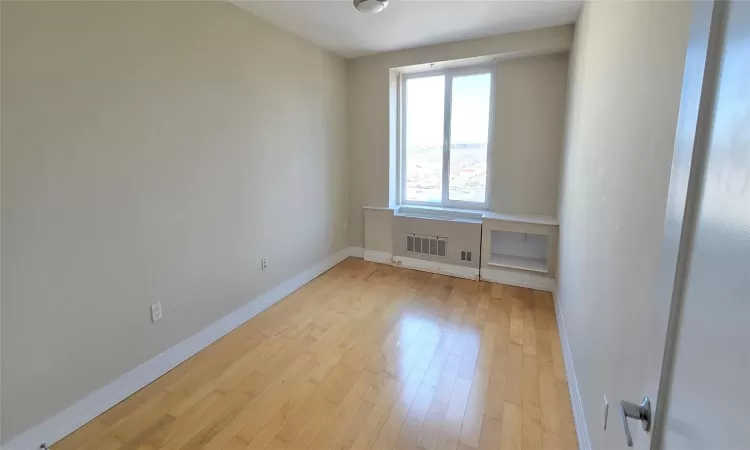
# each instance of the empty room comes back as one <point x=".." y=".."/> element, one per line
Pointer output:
<point x="374" y="224"/>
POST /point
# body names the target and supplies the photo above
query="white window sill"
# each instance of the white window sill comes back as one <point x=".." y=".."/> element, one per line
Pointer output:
<point x="469" y="215"/>
<point x="440" y="213"/>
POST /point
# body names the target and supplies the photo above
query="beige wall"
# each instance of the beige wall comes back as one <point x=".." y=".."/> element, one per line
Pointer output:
<point x="368" y="115"/>
<point x="152" y="151"/>
<point x="530" y="96"/>
<point x="379" y="230"/>
<point x="626" y="77"/>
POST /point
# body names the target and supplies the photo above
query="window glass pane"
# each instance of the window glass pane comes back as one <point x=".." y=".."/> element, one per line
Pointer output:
<point x="424" y="139"/>
<point x="470" y="115"/>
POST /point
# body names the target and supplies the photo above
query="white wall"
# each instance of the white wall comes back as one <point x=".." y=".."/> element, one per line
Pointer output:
<point x="152" y="151"/>
<point x="533" y="82"/>
<point x="626" y="78"/>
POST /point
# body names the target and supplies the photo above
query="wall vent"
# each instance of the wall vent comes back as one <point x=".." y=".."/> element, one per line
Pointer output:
<point x="427" y="245"/>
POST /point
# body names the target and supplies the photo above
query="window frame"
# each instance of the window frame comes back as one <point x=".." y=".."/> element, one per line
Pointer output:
<point x="449" y="74"/>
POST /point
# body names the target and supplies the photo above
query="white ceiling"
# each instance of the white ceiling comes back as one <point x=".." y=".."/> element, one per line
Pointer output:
<point x="337" y="26"/>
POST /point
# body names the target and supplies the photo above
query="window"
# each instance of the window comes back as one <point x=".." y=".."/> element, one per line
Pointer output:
<point x="445" y="137"/>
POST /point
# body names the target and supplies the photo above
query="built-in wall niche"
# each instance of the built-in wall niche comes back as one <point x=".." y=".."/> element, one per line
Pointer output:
<point x="519" y="250"/>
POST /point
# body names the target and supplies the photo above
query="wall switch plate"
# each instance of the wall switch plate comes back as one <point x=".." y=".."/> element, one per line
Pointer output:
<point x="605" y="413"/>
<point x="263" y="264"/>
<point x="156" y="313"/>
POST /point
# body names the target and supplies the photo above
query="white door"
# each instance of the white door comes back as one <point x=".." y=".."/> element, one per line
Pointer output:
<point x="700" y="396"/>
<point x="705" y="388"/>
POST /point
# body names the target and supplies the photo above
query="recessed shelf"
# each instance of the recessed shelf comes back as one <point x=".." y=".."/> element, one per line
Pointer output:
<point x="519" y="262"/>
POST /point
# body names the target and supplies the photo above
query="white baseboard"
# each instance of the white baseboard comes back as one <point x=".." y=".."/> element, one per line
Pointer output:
<point x="436" y="267"/>
<point x="582" y="432"/>
<point x="512" y="277"/>
<point x="356" y="252"/>
<point x="83" y="411"/>
<point x="378" y="257"/>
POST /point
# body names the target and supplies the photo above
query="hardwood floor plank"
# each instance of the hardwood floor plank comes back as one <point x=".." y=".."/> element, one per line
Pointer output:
<point x="516" y="324"/>
<point x="392" y="426"/>
<point x="494" y="404"/>
<point x="410" y="430"/>
<point x="277" y="422"/>
<point x="178" y="437"/>
<point x="530" y="382"/>
<point x="491" y="435"/>
<point x="529" y="332"/>
<point x="235" y="444"/>
<point x="337" y="424"/>
<point x="531" y="428"/>
<point x="548" y="399"/>
<point x="304" y="438"/>
<point x="473" y="416"/>
<point x="349" y="434"/>
<point x="514" y="374"/>
<point x="550" y="440"/>
<point x="433" y="422"/>
<point x="250" y="420"/>
<point x="454" y="416"/>
<point x="447" y="379"/>
<point x="371" y="429"/>
<point x="510" y="436"/>
<point x="440" y="357"/>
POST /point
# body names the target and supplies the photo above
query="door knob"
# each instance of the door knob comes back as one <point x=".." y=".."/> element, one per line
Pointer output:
<point x="641" y="412"/>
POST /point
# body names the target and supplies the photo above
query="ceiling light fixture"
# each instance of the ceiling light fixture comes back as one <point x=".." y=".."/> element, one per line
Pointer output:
<point x="370" y="6"/>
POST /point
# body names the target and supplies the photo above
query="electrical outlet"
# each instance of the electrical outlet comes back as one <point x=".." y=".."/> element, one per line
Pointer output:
<point x="605" y="413"/>
<point x="346" y="226"/>
<point x="156" y="313"/>
<point x="263" y="264"/>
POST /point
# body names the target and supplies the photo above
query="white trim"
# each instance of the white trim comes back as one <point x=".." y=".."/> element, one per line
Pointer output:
<point x="521" y="218"/>
<point x="470" y="273"/>
<point x="378" y="257"/>
<point x="476" y="214"/>
<point x="529" y="280"/>
<point x="582" y="432"/>
<point x="436" y="217"/>
<point x="378" y="208"/>
<point x="440" y="211"/>
<point x="356" y="252"/>
<point x="490" y="139"/>
<point x="447" y="125"/>
<point x="86" y="409"/>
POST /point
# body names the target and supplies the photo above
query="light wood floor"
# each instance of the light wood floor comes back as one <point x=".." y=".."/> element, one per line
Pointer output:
<point x="365" y="356"/>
